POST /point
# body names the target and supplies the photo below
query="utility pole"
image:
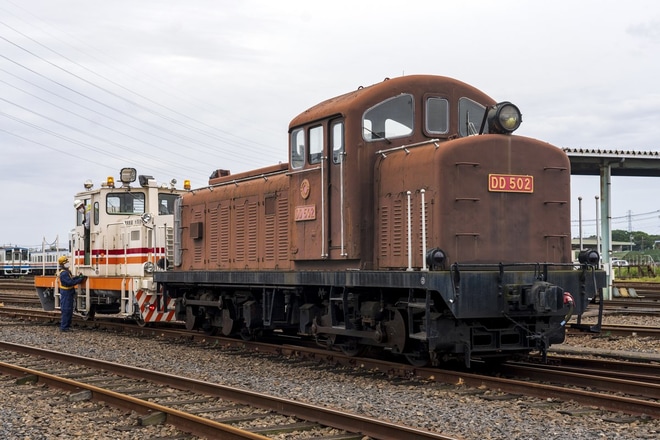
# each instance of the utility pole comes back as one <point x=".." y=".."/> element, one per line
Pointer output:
<point x="630" y="237"/>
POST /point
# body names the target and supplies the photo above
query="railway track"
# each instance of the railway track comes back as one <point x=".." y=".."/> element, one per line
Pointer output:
<point x="589" y="388"/>
<point x="18" y="284"/>
<point x="642" y="371"/>
<point x="544" y="374"/>
<point x="623" y="392"/>
<point x="203" y="409"/>
<point x="622" y="330"/>
<point x="633" y="379"/>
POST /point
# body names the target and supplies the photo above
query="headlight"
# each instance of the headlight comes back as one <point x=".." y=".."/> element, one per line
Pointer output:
<point x="436" y="258"/>
<point x="504" y="118"/>
<point x="148" y="267"/>
<point x="589" y="257"/>
<point x="146" y="218"/>
<point x="127" y="175"/>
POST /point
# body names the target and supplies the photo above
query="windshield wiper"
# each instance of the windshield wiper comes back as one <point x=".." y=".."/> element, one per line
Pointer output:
<point x="377" y="135"/>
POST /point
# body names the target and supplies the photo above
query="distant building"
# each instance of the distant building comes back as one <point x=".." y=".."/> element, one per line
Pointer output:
<point x="590" y="243"/>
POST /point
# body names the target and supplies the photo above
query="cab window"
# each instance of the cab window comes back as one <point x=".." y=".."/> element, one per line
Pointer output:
<point x="297" y="148"/>
<point x="337" y="141"/>
<point x="437" y="115"/>
<point x="166" y="203"/>
<point x="470" y="115"/>
<point x="96" y="213"/>
<point x="389" y="119"/>
<point x="315" y="144"/>
<point x="125" y="203"/>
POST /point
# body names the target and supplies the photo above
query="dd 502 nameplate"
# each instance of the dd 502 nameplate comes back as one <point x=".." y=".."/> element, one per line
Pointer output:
<point x="305" y="212"/>
<point x="510" y="183"/>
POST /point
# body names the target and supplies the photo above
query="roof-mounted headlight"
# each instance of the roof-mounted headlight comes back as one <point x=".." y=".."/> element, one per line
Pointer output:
<point x="504" y="118"/>
<point x="127" y="175"/>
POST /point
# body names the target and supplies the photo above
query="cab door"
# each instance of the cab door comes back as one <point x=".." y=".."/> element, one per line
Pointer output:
<point x="308" y="194"/>
<point x="318" y="192"/>
<point x="336" y="184"/>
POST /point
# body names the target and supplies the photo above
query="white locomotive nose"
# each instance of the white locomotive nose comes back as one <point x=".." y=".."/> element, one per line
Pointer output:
<point x="121" y="238"/>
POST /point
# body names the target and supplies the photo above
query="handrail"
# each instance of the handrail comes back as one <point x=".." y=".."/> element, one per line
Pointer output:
<point x="422" y="192"/>
<point x="405" y="147"/>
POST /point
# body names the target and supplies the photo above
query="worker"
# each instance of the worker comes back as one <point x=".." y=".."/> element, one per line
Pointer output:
<point x="67" y="286"/>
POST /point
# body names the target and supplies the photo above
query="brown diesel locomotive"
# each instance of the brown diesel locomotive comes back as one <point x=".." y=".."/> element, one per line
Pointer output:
<point x="408" y="218"/>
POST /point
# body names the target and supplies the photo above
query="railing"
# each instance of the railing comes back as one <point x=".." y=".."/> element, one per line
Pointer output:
<point x="423" y="221"/>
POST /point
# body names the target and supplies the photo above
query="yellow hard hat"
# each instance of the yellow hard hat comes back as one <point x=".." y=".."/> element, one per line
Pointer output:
<point x="63" y="259"/>
<point x="77" y="203"/>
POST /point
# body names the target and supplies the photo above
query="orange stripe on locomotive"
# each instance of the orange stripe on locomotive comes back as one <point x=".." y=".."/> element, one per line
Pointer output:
<point x="119" y="256"/>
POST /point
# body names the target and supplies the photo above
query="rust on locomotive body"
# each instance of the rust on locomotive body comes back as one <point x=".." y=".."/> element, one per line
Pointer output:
<point x="408" y="218"/>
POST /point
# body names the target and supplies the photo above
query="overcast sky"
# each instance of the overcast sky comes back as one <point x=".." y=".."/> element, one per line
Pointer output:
<point x="178" y="89"/>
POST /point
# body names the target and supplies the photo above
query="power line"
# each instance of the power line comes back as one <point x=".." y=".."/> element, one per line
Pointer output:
<point x="235" y="154"/>
<point x="86" y="133"/>
<point x="110" y="92"/>
<point x="623" y="218"/>
<point x="208" y="147"/>
<point x="114" y="67"/>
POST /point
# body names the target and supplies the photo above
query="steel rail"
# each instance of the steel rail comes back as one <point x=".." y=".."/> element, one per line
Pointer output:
<point x="626" y="405"/>
<point x="585" y="378"/>
<point x="374" y="428"/>
<point x="604" y="401"/>
<point x="184" y="421"/>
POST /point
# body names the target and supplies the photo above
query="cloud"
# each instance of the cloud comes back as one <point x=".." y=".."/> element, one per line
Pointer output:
<point x="178" y="89"/>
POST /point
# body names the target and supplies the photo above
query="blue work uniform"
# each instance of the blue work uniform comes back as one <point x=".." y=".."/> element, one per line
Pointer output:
<point x="67" y="285"/>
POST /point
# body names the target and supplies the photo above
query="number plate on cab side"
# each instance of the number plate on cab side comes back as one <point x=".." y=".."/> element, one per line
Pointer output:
<point x="305" y="212"/>
<point x="510" y="183"/>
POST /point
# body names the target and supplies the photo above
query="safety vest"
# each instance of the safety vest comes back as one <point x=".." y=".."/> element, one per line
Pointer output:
<point x="59" y="282"/>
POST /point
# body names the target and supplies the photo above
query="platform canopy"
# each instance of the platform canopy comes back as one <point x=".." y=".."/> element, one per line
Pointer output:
<point x="608" y="163"/>
<point x="589" y="162"/>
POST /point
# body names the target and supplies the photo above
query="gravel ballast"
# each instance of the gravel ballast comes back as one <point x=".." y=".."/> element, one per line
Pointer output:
<point x="36" y="412"/>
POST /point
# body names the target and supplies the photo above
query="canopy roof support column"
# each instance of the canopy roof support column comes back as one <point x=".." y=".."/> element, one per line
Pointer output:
<point x="606" y="224"/>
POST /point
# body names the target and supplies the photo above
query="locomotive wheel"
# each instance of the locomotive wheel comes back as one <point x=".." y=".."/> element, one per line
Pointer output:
<point x="417" y="359"/>
<point x="191" y="319"/>
<point x="140" y="321"/>
<point x="247" y="335"/>
<point x="395" y="329"/>
<point x="88" y="316"/>
<point x="419" y="356"/>
<point x="351" y="347"/>
<point x="227" y="322"/>
<point x="209" y="330"/>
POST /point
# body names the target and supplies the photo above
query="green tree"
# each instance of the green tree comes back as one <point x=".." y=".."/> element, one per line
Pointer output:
<point x="641" y="240"/>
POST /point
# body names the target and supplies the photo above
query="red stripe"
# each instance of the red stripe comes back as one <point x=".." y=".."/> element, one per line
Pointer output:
<point x="115" y="252"/>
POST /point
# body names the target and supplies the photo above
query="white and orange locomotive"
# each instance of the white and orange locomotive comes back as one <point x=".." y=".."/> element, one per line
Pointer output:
<point x="122" y="236"/>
